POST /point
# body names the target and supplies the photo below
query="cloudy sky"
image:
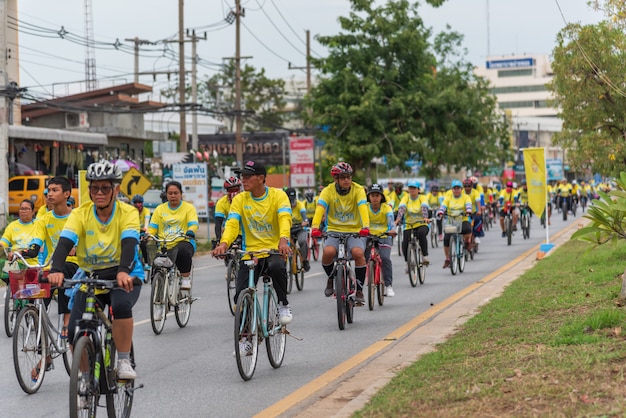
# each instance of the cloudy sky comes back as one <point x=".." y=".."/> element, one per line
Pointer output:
<point x="272" y="34"/>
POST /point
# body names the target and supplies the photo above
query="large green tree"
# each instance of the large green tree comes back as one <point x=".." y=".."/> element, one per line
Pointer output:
<point x="386" y="90"/>
<point x="589" y="67"/>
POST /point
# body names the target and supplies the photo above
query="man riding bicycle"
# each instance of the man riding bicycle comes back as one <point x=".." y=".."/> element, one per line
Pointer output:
<point x="456" y="201"/>
<point x="508" y="198"/>
<point x="298" y="221"/>
<point x="262" y="216"/>
<point x="105" y="233"/>
<point x="344" y="205"/>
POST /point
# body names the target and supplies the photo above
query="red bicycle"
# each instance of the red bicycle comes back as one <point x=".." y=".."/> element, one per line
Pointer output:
<point x="314" y="246"/>
<point x="375" y="280"/>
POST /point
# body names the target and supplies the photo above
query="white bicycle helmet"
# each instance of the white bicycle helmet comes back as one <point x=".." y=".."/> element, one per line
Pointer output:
<point x="104" y="170"/>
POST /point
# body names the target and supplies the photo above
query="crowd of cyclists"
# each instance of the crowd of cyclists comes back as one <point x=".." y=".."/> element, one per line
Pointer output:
<point x="107" y="238"/>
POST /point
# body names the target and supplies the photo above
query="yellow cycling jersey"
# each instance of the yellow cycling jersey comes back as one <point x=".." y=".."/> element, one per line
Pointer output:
<point x="48" y="231"/>
<point x="413" y="216"/>
<point x="523" y="196"/>
<point x="17" y="236"/>
<point x="42" y="211"/>
<point x="260" y="221"/>
<point x="167" y="222"/>
<point x="508" y="197"/>
<point x="222" y="207"/>
<point x="434" y="200"/>
<point x="474" y="196"/>
<point x="144" y="218"/>
<point x="455" y="206"/>
<point x="310" y="207"/>
<point x="381" y="221"/>
<point x="298" y="213"/>
<point x="564" y="189"/>
<point x="344" y="213"/>
<point x="391" y="198"/>
<point x="98" y="244"/>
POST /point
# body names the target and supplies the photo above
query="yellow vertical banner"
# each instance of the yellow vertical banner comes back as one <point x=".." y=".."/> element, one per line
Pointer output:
<point x="83" y="188"/>
<point x="535" y="168"/>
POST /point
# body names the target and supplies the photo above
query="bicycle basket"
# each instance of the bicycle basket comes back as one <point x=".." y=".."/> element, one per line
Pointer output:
<point x="162" y="261"/>
<point x="25" y="284"/>
<point x="453" y="225"/>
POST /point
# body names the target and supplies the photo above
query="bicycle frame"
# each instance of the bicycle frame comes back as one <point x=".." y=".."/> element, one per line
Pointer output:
<point x="345" y="280"/>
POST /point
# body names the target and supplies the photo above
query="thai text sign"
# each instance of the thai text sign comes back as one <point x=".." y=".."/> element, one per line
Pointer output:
<point x="302" y="162"/>
<point x="194" y="179"/>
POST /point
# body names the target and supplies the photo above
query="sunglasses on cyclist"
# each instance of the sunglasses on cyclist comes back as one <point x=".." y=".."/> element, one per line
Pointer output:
<point x="103" y="189"/>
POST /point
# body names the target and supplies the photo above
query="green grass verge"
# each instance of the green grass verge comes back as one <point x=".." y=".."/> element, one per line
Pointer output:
<point x="551" y="345"/>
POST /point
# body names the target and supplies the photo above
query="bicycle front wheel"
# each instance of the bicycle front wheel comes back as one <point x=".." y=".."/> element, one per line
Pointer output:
<point x="509" y="229"/>
<point x="231" y="285"/>
<point x="182" y="310"/>
<point x="462" y="254"/>
<point x="30" y="347"/>
<point x="246" y="335"/>
<point x="120" y="401"/>
<point x="299" y="272"/>
<point x="84" y="393"/>
<point x="412" y="264"/>
<point x="399" y="239"/>
<point x="371" y="284"/>
<point x="453" y="254"/>
<point x="380" y="286"/>
<point x="341" y="295"/>
<point x="421" y="268"/>
<point x="290" y="263"/>
<point x="158" y="302"/>
<point x="315" y="249"/>
<point x="10" y="312"/>
<point x="276" y="340"/>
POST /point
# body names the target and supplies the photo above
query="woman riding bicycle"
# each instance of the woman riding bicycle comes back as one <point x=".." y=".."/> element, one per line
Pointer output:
<point x="414" y="208"/>
<point x="175" y="218"/>
<point x="19" y="233"/>
<point x="299" y="220"/>
<point x="381" y="222"/>
<point x="457" y="201"/>
<point x="105" y="233"/>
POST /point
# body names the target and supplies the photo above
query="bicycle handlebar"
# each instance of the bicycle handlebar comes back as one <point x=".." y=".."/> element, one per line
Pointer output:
<point x="97" y="283"/>
<point x="341" y="235"/>
<point x="18" y="256"/>
<point x="166" y="240"/>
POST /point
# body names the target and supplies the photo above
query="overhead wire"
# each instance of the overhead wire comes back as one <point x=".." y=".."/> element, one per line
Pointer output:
<point x="278" y="30"/>
<point x="292" y="29"/>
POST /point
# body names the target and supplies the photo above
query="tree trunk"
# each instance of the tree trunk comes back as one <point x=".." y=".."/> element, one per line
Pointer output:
<point x="622" y="293"/>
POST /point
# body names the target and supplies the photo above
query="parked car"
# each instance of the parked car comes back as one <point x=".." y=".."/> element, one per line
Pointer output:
<point x="152" y="199"/>
<point x="29" y="187"/>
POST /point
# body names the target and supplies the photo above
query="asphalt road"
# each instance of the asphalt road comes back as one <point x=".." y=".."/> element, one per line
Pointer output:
<point x="191" y="371"/>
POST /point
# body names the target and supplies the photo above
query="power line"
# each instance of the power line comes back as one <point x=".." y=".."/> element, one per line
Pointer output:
<point x="290" y="27"/>
<point x="263" y="44"/>
<point x="278" y="30"/>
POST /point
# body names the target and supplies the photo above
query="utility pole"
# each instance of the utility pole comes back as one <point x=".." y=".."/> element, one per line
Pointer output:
<point x="194" y="87"/>
<point x="181" y="75"/>
<point x="4" y="120"/>
<point x="238" y="127"/>
<point x="138" y="42"/>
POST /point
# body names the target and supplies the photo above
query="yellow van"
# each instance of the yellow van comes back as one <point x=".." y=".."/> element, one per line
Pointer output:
<point x="29" y="187"/>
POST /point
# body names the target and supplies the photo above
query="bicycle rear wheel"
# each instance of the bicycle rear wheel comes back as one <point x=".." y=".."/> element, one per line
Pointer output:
<point x="30" y="345"/>
<point x="412" y="264"/>
<point x="158" y="302"/>
<point x="371" y="284"/>
<point x="433" y="235"/>
<point x="453" y="254"/>
<point x="399" y="239"/>
<point x="315" y="249"/>
<point x="421" y="268"/>
<point x="564" y="208"/>
<point x="341" y="296"/>
<point x="299" y="271"/>
<point x="120" y="402"/>
<point x="10" y="312"/>
<point x="246" y="336"/>
<point x="83" y="392"/>
<point x="231" y="285"/>
<point x="182" y="310"/>
<point x="509" y="229"/>
<point x="276" y="340"/>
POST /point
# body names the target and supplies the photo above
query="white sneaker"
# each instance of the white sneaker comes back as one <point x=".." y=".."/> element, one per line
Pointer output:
<point x="284" y="314"/>
<point x="389" y="291"/>
<point x="125" y="371"/>
<point x="425" y="261"/>
<point x="185" y="284"/>
<point x="477" y="240"/>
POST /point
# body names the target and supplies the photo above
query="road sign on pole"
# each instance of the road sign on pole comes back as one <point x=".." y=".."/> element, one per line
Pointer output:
<point x="134" y="182"/>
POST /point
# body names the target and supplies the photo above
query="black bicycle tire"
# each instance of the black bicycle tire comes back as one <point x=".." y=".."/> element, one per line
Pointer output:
<point x="564" y="209"/>
<point x="276" y="341"/>
<point x="412" y="264"/>
<point x="315" y="249"/>
<point x="231" y="285"/>
<point x="290" y="274"/>
<point x="245" y="312"/>
<point x="453" y="255"/>
<point x="23" y="372"/>
<point x="341" y="297"/>
<point x="300" y="272"/>
<point x="158" y="280"/>
<point x="421" y="267"/>
<point x="380" y="287"/>
<point x="84" y="343"/>
<point x="462" y="254"/>
<point x="116" y="400"/>
<point x="350" y="301"/>
<point x="371" y="284"/>
<point x="10" y="313"/>
<point x="182" y="309"/>
<point x="508" y="225"/>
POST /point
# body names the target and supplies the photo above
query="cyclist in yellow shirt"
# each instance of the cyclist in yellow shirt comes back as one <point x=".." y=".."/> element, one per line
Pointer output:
<point x="435" y="198"/>
<point x="262" y="216"/>
<point x="456" y="201"/>
<point x="18" y="234"/>
<point x="299" y="220"/>
<point x="310" y="203"/>
<point x="344" y="204"/>
<point x="172" y="218"/>
<point x="105" y="233"/>
<point x="507" y="200"/>
<point x="382" y="222"/>
<point x="47" y="206"/>
<point x="232" y="185"/>
<point x="144" y="220"/>
<point x="414" y="208"/>
<point x="476" y="198"/>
